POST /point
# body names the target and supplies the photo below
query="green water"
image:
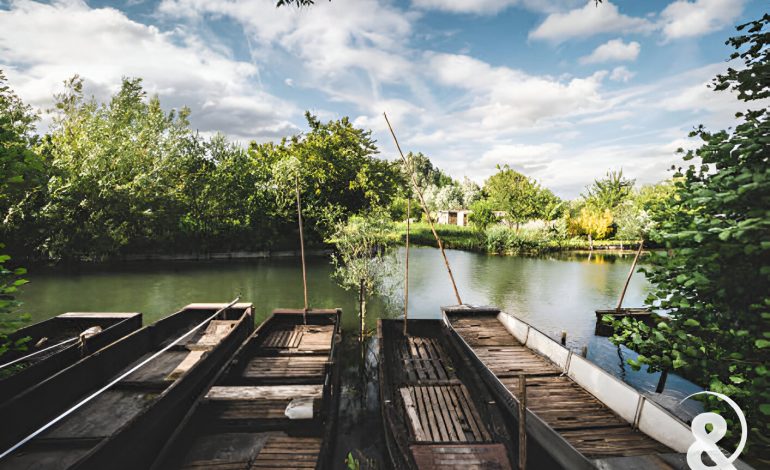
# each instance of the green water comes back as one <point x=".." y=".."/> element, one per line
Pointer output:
<point x="552" y="293"/>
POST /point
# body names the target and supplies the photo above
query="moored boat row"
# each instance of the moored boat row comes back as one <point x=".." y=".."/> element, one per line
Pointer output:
<point x="199" y="390"/>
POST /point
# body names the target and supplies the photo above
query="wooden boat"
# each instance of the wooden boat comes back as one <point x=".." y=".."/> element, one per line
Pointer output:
<point x="436" y="410"/>
<point x="274" y="406"/>
<point x="644" y="314"/>
<point x="131" y="410"/>
<point x="57" y="343"/>
<point x="581" y="415"/>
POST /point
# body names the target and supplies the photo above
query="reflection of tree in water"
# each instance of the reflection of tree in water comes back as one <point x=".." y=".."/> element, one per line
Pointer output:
<point x="360" y="404"/>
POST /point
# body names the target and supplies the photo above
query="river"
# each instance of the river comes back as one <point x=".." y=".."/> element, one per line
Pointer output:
<point x="553" y="293"/>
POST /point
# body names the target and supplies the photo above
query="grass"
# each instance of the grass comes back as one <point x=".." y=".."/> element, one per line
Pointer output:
<point x="500" y="240"/>
<point x="460" y="238"/>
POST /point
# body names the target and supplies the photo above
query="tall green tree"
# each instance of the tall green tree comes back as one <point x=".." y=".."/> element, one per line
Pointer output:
<point x="610" y="191"/>
<point x="338" y="171"/>
<point x="519" y="196"/>
<point x="713" y="278"/>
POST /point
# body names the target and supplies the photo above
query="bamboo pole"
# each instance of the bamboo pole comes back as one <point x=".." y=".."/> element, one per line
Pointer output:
<point x="406" y="270"/>
<point x="302" y="250"/>
<point x="630" y="273"/>
<point x="427" y="213"/>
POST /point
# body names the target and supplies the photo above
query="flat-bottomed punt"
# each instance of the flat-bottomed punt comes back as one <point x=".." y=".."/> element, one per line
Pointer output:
<point x="581" y="415"/>
<point x="126" y="424"/>
<point x="436" y="411"/>
<point x="274" y="406"/>
<point x="55" y="344"/>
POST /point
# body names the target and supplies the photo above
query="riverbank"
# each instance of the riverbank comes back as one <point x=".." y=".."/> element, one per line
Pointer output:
<point x="504" y="241"/>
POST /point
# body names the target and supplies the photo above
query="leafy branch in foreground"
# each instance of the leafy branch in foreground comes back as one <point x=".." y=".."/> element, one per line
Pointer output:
<point x="713" y="277"/>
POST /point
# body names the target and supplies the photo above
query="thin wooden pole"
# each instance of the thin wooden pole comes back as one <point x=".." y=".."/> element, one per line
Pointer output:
<point x="522" y="422"/>
<point x="406" y="270"/>
<point x="630" y="273"/>
<point x="302" y="249"/>
<point x="427" y="213"/>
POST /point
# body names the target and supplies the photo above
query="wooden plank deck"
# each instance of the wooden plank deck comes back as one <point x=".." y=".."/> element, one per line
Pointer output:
<point x="586" y="423"/>
<point x="444" y="414"/>
<point x="470" y="457"/>
<point x="300" y="338"/>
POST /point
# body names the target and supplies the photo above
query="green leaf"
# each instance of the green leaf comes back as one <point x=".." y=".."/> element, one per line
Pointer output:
<point x="691" y="322"/>
<point x="762" y="343"/>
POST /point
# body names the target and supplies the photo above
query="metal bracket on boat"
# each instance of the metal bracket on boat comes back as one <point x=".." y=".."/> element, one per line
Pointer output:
<point x="567" y="363"/>
<point x="638" y="414"/>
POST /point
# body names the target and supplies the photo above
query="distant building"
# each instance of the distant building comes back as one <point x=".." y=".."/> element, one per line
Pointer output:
<point x="460" y="217"/>
<point x="454" y="217"/>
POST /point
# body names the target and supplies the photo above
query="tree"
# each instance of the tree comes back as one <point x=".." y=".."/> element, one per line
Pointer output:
<point x="22" y="169"/>
<point x="482" y="215"/>
<point x="339" y="173"/>
<point x="362" y="260"/>
<point x="514" y="193"/>
<point x="594" y="222"/>
<point x="19" y="165"/>
<point x="712" y="279"/>
<point x="610" y="191"/>
<point x="634" y="216"/>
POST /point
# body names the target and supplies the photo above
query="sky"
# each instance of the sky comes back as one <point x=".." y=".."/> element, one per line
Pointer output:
<point x="561" y="90"/>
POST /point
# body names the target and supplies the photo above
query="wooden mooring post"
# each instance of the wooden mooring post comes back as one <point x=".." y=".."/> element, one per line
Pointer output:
<point x="522" y="422"/>
<point x="563" y="337"/>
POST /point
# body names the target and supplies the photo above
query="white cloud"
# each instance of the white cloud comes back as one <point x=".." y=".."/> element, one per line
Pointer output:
<point x="523" y="156"/>
<point x="587" y="21"/>
<point x="501" y="98"/>
<point x="613" y="50"/>
<point x="683" y="19"/>
<point x="621" y="74"/>
<point x="489" y="7"/>
<point x="41" y="45"/>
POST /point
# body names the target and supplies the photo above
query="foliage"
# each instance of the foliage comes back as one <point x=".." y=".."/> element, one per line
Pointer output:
<point x="482" y="214"/>
<point x="10" y="319"/>
<point x="610" y="191"/>
<point x="19" y="167"/>
<point x="361" y="250"/>
<point x="713" y="278"/>
<point x="592" y="221"/>
<point x="520" y="197"/>
<point x="126" y="176"/>
<point x="634" y="216"/>
<point x="339" y="172"/>
<point x="297" y="3"/>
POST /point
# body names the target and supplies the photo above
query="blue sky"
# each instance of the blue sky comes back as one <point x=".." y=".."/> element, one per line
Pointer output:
<point x="561" y="90"/>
